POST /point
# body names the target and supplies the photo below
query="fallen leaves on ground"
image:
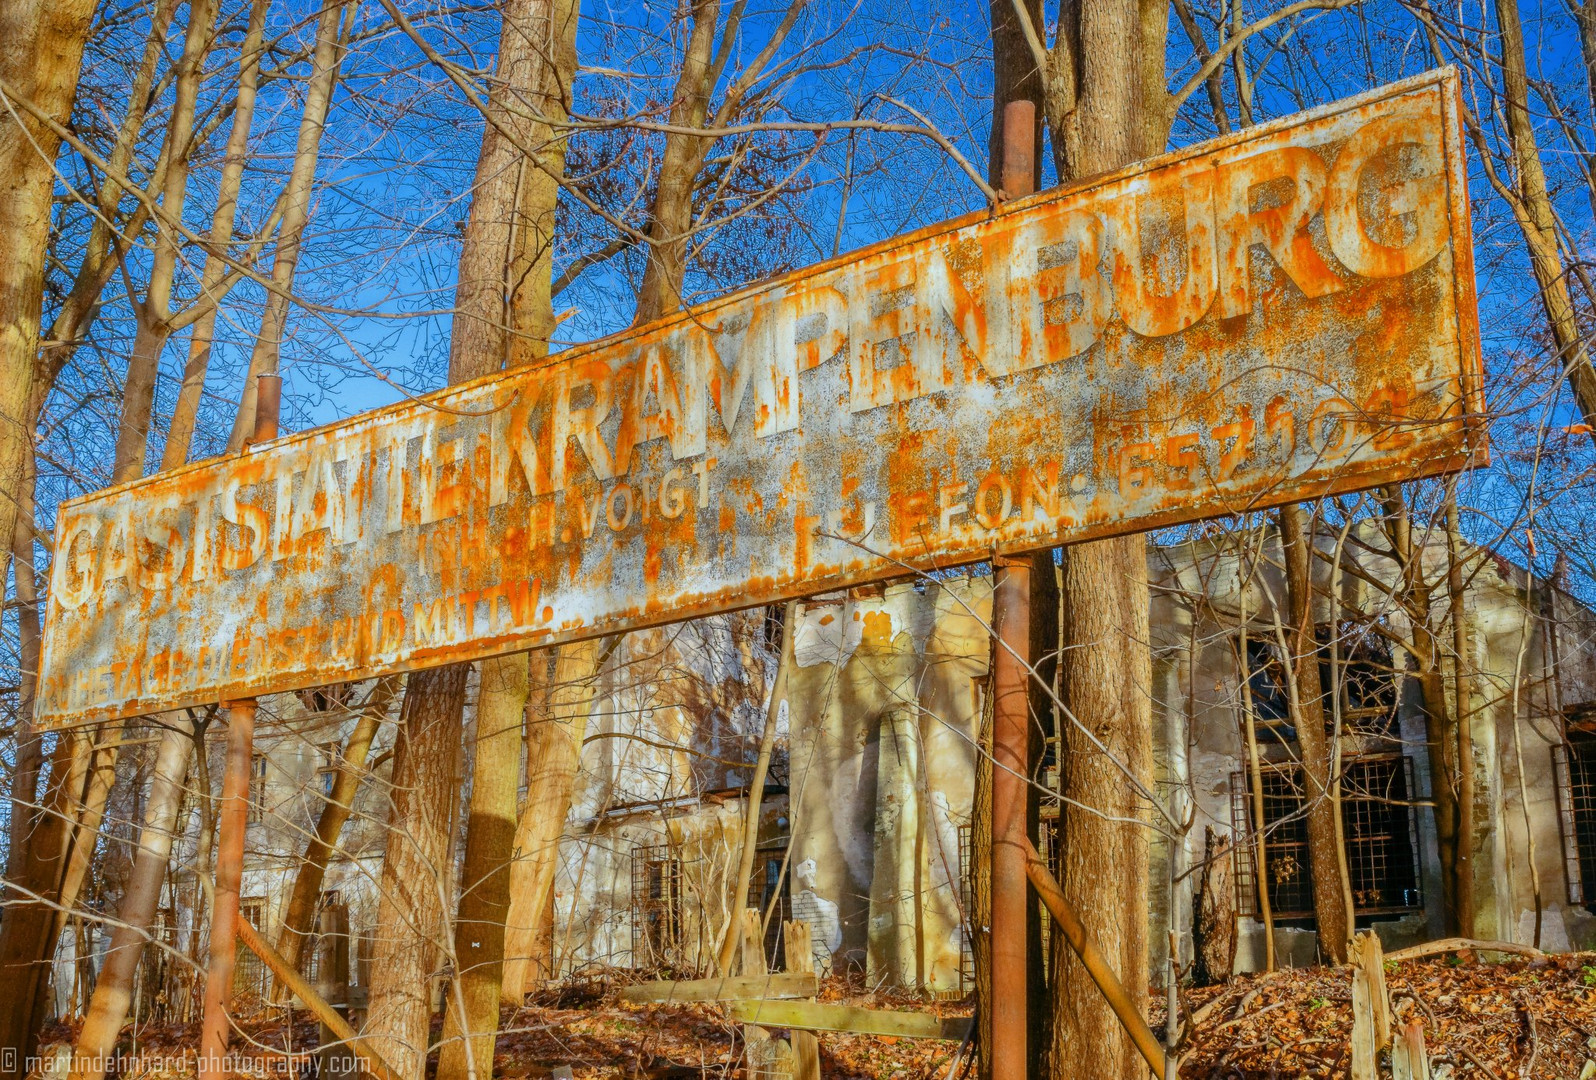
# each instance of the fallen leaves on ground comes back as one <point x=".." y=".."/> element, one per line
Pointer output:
<point x="1533" y="1019"/>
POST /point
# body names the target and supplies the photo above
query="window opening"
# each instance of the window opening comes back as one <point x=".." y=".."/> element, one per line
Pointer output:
<point x="1379" y="827"/>
<point x="656" y="908"/>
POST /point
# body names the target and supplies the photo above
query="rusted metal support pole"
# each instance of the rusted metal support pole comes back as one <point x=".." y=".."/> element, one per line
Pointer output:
<point x="1011" y="619"/>
<point x="1068" y="922"/>
<point x="233" y="822"/>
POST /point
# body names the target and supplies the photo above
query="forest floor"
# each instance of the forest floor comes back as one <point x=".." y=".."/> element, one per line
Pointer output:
<point x="1492" y="1021"/>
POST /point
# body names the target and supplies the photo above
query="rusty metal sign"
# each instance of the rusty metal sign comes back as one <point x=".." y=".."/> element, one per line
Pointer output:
<point x="1282" y="313"/>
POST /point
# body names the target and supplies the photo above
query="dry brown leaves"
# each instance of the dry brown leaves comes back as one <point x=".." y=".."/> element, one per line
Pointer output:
<point x="1531" y="1019"/>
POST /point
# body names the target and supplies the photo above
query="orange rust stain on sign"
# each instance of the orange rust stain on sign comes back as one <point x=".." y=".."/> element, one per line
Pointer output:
<point x="1282" y="313"/>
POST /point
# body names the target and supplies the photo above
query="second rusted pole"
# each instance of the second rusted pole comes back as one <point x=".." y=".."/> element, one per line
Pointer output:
<point x="233" y="822"/>
<point x="1011" y="620"/>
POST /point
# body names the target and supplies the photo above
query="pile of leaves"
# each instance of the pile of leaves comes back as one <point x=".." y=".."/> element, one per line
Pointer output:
<point x="1488" y="1020"/>
<point x="1518" y="1018"/>
<point x="589" y="1029"/>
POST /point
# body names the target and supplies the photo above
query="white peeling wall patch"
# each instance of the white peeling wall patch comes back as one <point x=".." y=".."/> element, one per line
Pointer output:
<point x="827" y="635"/>
<point x="821" y="914"/>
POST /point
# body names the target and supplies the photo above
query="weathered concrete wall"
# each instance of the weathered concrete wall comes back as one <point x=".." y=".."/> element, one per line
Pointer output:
<point x="885" y="716"/>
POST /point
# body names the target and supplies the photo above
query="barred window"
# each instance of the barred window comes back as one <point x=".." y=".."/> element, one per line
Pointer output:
<point x="1574" y="769"/>
<point x="1379" y="826"/>
<point x="657" y="914"/>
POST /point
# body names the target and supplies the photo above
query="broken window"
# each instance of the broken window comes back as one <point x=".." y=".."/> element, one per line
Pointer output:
<point x="1574" y="767"/>
<point x="656" y="908"/>
<point x="1366" y="685"/>
<point x="1266" y="680"/>
<point x="1381" y="840"/>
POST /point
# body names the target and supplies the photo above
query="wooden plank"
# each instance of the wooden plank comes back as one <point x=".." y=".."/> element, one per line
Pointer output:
<point x="801" y="958"/>
<point x="810" y="1016"/>
<point x="738" y="988"/>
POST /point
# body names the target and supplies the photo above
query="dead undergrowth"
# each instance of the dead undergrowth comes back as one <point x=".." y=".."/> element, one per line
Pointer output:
<point x="1491" y="1021"/>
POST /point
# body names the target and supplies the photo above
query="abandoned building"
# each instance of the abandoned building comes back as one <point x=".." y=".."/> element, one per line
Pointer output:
<point x="865" y="817"/>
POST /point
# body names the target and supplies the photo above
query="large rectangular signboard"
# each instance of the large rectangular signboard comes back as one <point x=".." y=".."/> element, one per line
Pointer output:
<point x="1281" y="313"/>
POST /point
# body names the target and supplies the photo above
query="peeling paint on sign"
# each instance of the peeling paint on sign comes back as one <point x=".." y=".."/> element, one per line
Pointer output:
<point x="1281" y="313"/>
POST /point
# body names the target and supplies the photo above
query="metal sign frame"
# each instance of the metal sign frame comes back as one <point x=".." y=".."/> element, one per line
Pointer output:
<point x="1272" y="316"/>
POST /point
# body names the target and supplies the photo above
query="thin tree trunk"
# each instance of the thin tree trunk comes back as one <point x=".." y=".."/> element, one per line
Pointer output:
<point x="113" y="991"/>
<point x="1536" y="217"/>
<point x="180" y="434"/>
<point x="312" y="869"/>
<point x="756" y="791"/>
<point x="138" y="393"/>
<point x="471" y="1021"/>
<point x="417" y="873"/>
<point x="1260" y="851"/>
<point x="1414" y="595"/>
<point x="504" y="317"/>
<point x="81" y="769"/>
<point x="29" y="745"/>
<point x="1107" y="106"/>
<point x="556" y="727"/>
<point x="1463" y="710"/>
<point x="41" y="52"/>
<point x="325" y="61"/>
<point x="979" y="871"/>
<point x="671" y="221"/>
<point x="1307" y="701"/>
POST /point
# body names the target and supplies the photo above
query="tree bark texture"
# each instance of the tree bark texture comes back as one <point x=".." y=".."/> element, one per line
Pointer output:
<point x="503" y="313"/>
<point x="1107" y="106"/>
<point x="185" y="414"/>
<point x="319" y="87"/>
<point x="1537" y="219"/>
<point x="671" y="222"/>
<point x="556" y="726"/>
<point x="471" y="1018"/>
<point x="1330" y="906"/>
<point x="113" y="991"/>
<point x="312" y="869"/>
<point x="417" y="870"/>
<point x="41" y="52"/>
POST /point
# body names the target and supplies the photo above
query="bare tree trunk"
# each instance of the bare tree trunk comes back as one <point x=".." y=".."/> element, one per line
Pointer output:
<point x="756" y="790"/>
<point x="180" y="435"/>
<point x="29" y="745"/>
<point x="417" y="873"/>
<point x="979" y="871"/>
<point x="138" y="393"/>
<point x="1307" y="705"/>
<point x="325" y="61"/>
<point x="1536" y="217"/>
<point x="1260" y="851"/>
<point x="471" y="1021"/>
<point x="1107" y="106"/>
<point x="1463" y="710"/>
<point x="114" y="989"/>
<point x="554" y="750"/>
<point x="81" y="770"/>
<point x="303" y="897"/>
<point x="671" y="221"/>
<point x="41" y="51"/>
<point x="504" y="317"/>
